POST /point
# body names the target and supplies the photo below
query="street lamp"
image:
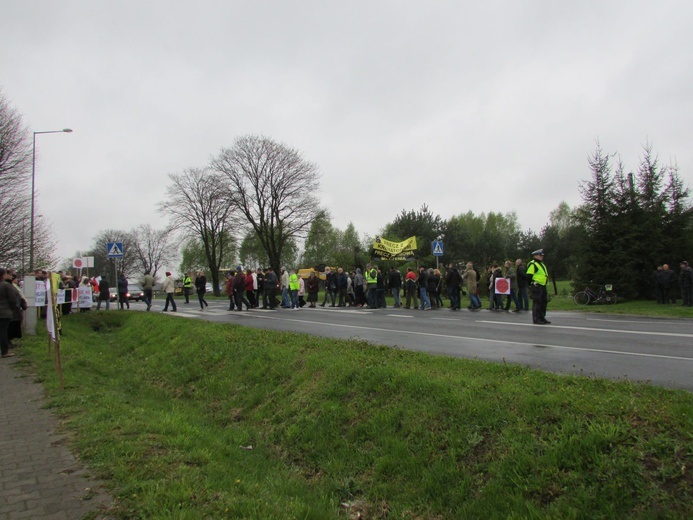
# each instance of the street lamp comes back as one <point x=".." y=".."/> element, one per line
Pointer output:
<point x="33" y="184"/>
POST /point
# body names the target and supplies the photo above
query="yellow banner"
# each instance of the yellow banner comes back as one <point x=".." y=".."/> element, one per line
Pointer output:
<point x="393" y="249"/>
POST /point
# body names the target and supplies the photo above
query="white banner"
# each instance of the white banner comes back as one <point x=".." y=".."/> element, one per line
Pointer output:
<point x="85" y="297"/>
<point x="50" y="321"/>
<point x="40" y="293"/>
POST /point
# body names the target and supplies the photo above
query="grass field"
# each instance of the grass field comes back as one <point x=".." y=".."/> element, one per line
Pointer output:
<point x="188" y="419"/>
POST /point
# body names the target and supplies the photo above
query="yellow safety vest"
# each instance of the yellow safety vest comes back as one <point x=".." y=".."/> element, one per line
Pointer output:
<point x="538" y="271"/>
<point x="371" y="276"/>
<point x="187" y="282"/>
<point x="294" y="284"/>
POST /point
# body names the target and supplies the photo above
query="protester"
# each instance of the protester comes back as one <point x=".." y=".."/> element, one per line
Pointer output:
<point x="469" y="276"/>
<point x="270" y="289"/>
<point x="123" y="291"/>
<point x="395" y="283"/>
<point x="148" y="289"/>
<point x="169" y="287"/>
<point x="201" y="288"/>
<point x="9" y="301"/>
<point x="410" y="289"/>
<point x="104" y="293"/>
<point x="312" y="288"/>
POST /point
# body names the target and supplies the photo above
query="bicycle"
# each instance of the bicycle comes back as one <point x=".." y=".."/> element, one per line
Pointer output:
<point x="603" y="295"/>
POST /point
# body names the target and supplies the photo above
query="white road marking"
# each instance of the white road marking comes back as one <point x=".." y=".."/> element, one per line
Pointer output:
<point x="618" y="331"/>
<point x="662" y="322"/>
<point x="484" y="340"/>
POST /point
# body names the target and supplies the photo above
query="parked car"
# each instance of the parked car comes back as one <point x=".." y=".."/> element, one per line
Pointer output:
<point x="209" y="287"/>
<point x="135" y="292"/>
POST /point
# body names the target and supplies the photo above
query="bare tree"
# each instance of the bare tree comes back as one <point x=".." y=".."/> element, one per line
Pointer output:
<point x="15" y="147"/>
<point x="196" y="204"/>
<point x="103" y="265"/>
<point x="153" y="248"/>
<point x="273" y="187"/>
<point x="15" y="170"/>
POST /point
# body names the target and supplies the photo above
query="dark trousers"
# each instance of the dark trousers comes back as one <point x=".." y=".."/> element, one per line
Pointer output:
<point x="201" y="298"/>
<point x="148" y="297"/>
<point x="240" y="300"/>
<point x="186" y="293"/>
<point x="169" y="298"/>
<point x="251" y="298"/>
<point x="123" y="300"/>
<point x="539" y="302"/>
<point x="687" y="294"/>
<point x="372" y="296"/>
<point x="4" y="341"/>
<point x="411" y="295"/>
<point x="358" y="295"/>
<point x="454" y="295"/>
<point x="524" y="298"/>
<point x="271" y="295"/>
<point x="512" y="297"/>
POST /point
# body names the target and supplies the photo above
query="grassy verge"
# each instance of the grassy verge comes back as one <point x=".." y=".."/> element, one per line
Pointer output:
<point x="167" y="410"/>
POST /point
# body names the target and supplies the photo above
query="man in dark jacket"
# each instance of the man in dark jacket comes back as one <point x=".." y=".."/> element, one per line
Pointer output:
<point x="123" y="291"/>
<point x="270" y="289"/>
<point x="342" y="285"/>
<point x="453" y="279"/>
<point x="668" y="284"/>
<point x="395" y="281"/>
<point x="521" y="273"/>
<point x="104" y="293"/>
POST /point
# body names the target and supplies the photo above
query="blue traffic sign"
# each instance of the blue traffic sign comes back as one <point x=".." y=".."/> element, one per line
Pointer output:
<point x="437" y="247"/>
<point x="114" y="250"/>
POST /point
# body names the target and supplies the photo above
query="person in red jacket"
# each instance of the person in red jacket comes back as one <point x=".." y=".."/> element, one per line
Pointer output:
<point x="229" y="288"/>
<point x="250" y="287"/>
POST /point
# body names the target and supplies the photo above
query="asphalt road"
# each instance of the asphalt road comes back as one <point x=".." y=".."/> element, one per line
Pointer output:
<point x="654" y="350"/>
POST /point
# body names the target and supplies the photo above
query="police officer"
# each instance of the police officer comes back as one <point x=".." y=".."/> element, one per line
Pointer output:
<point x="538" y="277"/>
<point x="371" y="275"/>
<point x="187" y="287"/>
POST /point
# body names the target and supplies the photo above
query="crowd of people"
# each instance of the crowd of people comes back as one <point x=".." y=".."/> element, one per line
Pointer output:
<point x="422" y="288"/>
<point x="667" y="281"/>
<point x="416" y="288"/>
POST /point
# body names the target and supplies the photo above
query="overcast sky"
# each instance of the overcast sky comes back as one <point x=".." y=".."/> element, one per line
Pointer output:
<point x="481" y="106"/>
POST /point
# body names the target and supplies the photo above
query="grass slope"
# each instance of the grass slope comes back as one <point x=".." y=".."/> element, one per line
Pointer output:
<point x="167" y="410"/>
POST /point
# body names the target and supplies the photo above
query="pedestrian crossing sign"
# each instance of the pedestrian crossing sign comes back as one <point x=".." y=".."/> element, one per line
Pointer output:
<point x="437" y="247"/>
<point x="114" y="250"/>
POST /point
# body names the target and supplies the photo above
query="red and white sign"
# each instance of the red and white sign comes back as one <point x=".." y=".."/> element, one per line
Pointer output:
<point x="82" y="262"/>
<point x="502" y="285"/>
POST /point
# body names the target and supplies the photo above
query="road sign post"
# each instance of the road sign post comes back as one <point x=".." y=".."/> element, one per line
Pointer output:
<point x="437" y="250"/>
<point x="115" y="250"/>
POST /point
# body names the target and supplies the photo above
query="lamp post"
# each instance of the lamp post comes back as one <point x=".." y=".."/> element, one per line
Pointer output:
<point x="33" y="196"/>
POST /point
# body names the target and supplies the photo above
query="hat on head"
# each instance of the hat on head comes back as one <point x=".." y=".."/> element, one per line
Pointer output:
<point x="168" y="273"/>
<point x="683" y="262"/>
<point x="238" y="268"/>
<point x="538" y="252"/>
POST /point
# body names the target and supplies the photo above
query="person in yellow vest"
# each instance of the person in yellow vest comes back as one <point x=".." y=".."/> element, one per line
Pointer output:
<point x="371" y="276"/>
<point x="187" y="286"/>
<point x="538" y="277"/>
<point x="294" y="286"/>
